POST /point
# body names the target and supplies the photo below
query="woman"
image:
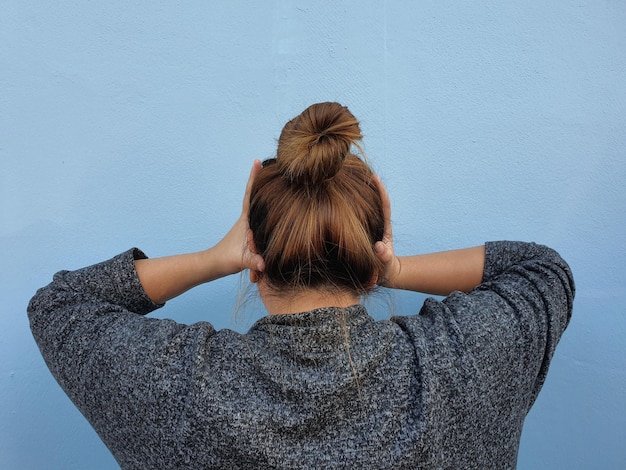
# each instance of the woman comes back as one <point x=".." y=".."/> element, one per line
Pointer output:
<point x="317" y="383"/>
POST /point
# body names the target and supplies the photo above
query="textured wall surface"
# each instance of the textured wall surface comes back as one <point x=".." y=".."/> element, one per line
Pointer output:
<point x="135" y="123"/>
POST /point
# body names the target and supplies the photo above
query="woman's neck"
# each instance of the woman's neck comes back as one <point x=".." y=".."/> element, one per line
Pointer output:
<point x="281" y="304"/>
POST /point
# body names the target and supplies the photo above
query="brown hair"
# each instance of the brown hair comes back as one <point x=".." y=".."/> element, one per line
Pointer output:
<point x="315" y="211"/>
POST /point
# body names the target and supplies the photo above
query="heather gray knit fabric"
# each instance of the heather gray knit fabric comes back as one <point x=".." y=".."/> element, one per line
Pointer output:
<point x="447" y="388"/>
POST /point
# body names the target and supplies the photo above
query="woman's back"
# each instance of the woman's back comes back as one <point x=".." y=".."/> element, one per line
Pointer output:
<point x="448" y="388"/>
<point x="317" y="383"/>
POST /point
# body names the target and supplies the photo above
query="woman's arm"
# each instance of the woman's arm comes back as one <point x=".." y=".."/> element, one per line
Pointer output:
<point x="165" y="278"/>
<point x="441" y="273"/>
<point x="435" y="273"/>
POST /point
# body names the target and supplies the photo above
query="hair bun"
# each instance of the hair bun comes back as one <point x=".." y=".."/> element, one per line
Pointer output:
<point x="313" y="146"/>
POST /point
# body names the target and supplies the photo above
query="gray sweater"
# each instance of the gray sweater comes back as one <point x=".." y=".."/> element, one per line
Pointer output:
<point x="331" y="388"/>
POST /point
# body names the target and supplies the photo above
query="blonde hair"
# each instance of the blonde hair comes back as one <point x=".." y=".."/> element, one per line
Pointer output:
<point x="315" y="211"/>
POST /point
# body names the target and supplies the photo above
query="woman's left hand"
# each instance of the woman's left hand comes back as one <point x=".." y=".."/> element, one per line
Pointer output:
<point x="165" y="278"/>
<point x="234" y="249"/>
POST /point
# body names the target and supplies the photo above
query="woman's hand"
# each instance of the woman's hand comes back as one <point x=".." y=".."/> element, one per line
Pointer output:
<point x="234" y="249"/>
<point x="166" y="278"/>
<point x="434" y="273"/>
<point x="384" y="248"/>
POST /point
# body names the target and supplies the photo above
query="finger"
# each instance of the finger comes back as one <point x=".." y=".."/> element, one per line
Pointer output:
<point x="384" y="197"/>
<point x="256" y="167"/>
<point x="255" y="260"/>
<point x="384" y="252"/>
<point x="258" y="264"/>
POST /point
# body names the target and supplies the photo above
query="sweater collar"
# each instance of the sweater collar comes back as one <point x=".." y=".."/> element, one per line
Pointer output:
<point x="316" y="317"/>
<point x="319" y="328"/>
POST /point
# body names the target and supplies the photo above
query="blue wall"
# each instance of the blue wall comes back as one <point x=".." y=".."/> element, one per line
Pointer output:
<point x="135" y="123"/>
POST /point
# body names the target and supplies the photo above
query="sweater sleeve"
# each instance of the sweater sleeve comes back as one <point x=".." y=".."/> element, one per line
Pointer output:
<point x="77" y="304"/>
<point x="117" y="365"/>
<point x="513" y="321"/>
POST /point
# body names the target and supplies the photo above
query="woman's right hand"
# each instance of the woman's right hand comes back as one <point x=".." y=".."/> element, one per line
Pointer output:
<point x="434" y="273"/>
<point x="384" y="248"/>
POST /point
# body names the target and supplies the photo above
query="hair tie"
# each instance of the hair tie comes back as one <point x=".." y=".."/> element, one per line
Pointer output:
<point x="317" y="139"/>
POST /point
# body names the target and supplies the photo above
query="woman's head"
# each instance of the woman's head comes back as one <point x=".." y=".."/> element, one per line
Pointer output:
<point x="315" y="211"/>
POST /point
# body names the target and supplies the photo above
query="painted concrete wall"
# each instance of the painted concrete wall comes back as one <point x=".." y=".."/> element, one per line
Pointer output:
<point x="135" y="123"/>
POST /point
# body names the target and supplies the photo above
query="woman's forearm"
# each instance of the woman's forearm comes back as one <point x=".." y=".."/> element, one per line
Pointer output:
<point x="165" y="278"/>
<point x="441" y="273"/>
